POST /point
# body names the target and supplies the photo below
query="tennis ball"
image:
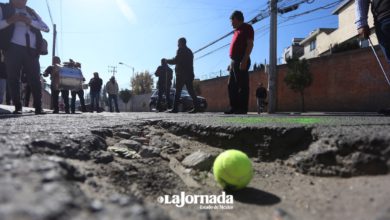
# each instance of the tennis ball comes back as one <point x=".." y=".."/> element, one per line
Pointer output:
<point x="233" y="170"/>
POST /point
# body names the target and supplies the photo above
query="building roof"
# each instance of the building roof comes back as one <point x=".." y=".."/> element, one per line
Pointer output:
<point x="316" y="32"/>
<point x="341" y="6"/>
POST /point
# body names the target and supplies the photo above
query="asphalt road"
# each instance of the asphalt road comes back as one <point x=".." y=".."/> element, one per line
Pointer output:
<point x="48" y="161"/>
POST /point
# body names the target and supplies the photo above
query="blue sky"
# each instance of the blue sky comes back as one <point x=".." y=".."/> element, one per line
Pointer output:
<point x="102" y="33"/>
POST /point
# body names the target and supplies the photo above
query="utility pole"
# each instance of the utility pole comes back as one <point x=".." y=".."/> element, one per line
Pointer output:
<point x="112" y="69"/>
<point x="272" y="57"/>
<point x="54" y="41"/>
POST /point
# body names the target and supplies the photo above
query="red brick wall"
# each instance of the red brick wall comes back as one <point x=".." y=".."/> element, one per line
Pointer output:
<point x="350" y="81"/>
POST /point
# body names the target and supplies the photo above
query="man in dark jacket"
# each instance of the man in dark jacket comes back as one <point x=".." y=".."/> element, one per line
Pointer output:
<point x="184" y="69"/>
<point x="164" y="74"/>
<point x="21" y="38"/>
<point x="95" y="85"/>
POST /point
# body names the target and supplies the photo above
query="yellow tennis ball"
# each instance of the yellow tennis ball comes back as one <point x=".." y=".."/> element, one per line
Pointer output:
<point x="233" y="170"/>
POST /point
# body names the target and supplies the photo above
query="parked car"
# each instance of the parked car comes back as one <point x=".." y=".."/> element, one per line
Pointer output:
<point x="185" y="102"/>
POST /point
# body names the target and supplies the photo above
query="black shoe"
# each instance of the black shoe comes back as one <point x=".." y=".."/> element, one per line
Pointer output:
<point x="193" y="111"/>
<point x="56" y="112"/>
<point x="230" y="112"/>
<point x="39" y="111"/>
<point x="241" y="112"/>
<point x="17" y="112"/>
<point x="172" y="111"/>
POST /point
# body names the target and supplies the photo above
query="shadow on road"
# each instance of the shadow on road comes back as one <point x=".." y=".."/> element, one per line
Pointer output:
<point x="251" y="195"/>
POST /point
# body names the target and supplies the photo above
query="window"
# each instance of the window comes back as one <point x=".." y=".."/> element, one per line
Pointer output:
<point x="313" y="45"/>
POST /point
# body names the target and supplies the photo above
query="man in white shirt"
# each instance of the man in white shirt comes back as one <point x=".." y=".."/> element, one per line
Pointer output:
<point x="21" y="39"/>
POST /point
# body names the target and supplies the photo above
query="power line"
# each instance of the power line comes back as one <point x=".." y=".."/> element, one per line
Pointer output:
<point x="264" y="14"/>
<point x="327" y="6"/>
<point x="48" y="8"/>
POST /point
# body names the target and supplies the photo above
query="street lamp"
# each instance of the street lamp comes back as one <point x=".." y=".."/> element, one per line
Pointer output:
<point x="124" y="64"/>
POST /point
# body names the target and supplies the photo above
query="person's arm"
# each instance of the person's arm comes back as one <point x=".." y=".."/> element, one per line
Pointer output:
<point x="361" y="18"/>
<point x="249" y="47"/>
<point x="4" y="23"/>
<point x="176" y="58"/>
<point x="38" y="23"/>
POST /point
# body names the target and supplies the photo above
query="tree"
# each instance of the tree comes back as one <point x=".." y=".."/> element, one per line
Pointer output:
<point x="298" y="77"/>
<point x="142" y="83"/>
<point x="125" y="95"/>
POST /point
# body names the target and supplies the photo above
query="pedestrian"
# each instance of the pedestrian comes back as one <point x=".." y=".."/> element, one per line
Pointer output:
<point x="53" y="71"/>
<point x="112" y="90"/>
<point x="164" y="83"/>
<point x="240" y="50"/>
<point x="184" y="61"/>
<point x="381" y="12"/>
<point x="21" y="39"/>
<point x="79" y="93"/>
<point x="95" y="85"/>
<point x="261" y="95"/>
<point x="3" y="77"/>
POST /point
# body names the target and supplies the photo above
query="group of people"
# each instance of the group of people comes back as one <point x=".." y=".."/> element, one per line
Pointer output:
<point x="21" y="44"/>
<point x="238" y="85"/>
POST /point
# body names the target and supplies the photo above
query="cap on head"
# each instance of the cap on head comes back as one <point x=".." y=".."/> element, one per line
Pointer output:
<point x="96" y="74"/>
<point x="237" y="15"/>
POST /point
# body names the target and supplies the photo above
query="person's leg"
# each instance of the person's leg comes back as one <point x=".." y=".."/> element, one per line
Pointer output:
<point x="243" y="90"/>
<point x="159" y="98"/>
<point x="116" y="103"/>
<point x="73" y="102"/>
<point x="97" y="101"/>
<point x="168" y="96"/>
<point x="54" y="100"/>
<point x="233" y="87"/>
<point x="27" y="95"/>
<point x="2" y="90"/>
<point x="13" y="62"/>
<point x="7" y="94"/>
<point x="65" y="97"/>
<point x="80" y="93"/>
<point x="32" y="66"/>
<point x="382" y="30"/>
<point x="190" y="88"/>
<point x="110" y="97"/>
<point x="93" y="99"/>
<point x="179" y="87"/>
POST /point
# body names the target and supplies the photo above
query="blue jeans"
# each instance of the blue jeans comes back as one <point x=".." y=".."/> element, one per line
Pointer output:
<point x="95" y="98"/>
<point x="115" y="98"/>
<point x="382" y="29"/>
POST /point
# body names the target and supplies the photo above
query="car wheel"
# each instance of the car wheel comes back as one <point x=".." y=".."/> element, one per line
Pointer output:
<point x="152" y="108"/>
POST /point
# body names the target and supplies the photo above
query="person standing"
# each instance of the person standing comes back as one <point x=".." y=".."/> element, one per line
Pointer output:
<point x="112" y="89"/>
<point x="79" y="93"/>
<point x="261" y="95"/>
<point x="21" y="39"/>
<point x="240" y="50"/>
<point x="53" y="71"/>
<point x="95" y="85"/>
<point x="165" y="75"/>
<point x="184" y="69"/>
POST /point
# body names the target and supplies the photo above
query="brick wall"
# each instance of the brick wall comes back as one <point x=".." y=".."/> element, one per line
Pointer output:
<point x="350" y="81"/>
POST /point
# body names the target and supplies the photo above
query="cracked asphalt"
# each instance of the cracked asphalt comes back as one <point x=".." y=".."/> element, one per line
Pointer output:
<point x="309" y="166"/>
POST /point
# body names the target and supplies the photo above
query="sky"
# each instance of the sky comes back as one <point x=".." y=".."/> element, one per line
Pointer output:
<point x="139" y="33"/>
